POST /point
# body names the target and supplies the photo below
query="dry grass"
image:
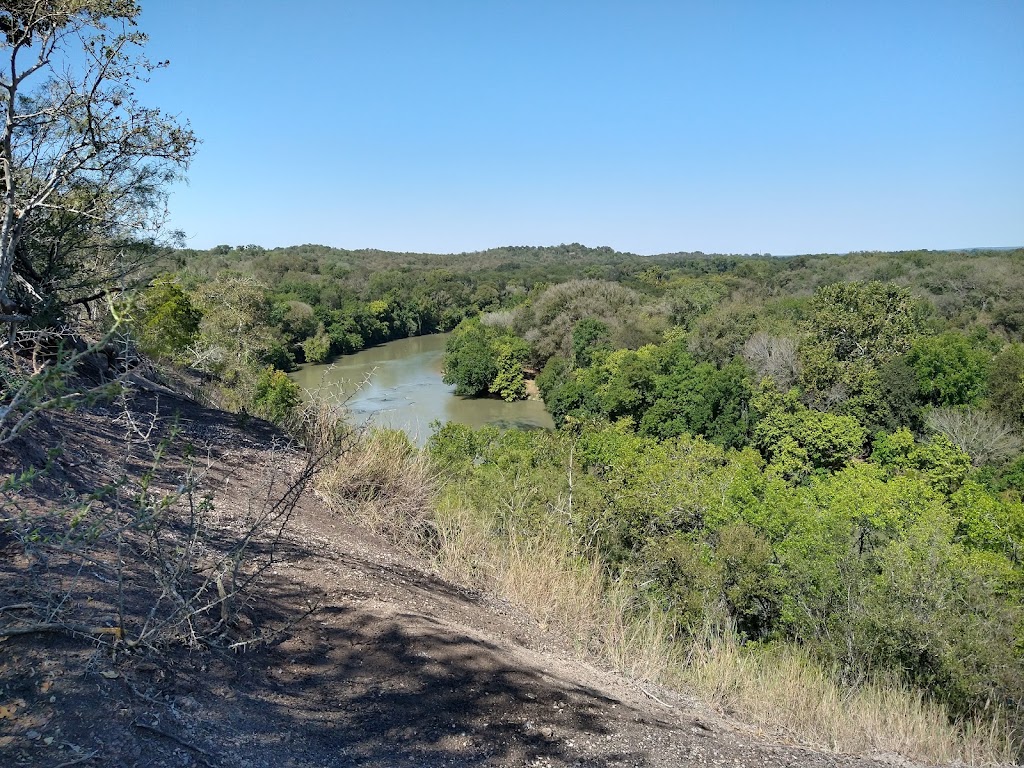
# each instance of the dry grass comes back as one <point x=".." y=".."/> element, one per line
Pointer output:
<point x="538" y="574"/>
<point x="638" y="640"/>
<point x="782" y="688"/>
<point x="385" y="482"/>
<point x="560" y="590"/>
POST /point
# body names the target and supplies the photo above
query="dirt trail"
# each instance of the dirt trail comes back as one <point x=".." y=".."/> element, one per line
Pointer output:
<point x="397" y="667"/>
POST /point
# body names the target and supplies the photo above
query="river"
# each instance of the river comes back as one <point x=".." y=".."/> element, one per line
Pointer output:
<point x="402" y="389"/>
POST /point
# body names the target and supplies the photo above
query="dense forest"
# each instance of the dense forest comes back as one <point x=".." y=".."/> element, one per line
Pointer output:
<point x="823" y="450"/>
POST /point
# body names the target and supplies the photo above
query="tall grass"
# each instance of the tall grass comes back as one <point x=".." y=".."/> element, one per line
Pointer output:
<point x="779" y="688"/>
<point x="386" y="483"/>
<point x="558" y="588"/>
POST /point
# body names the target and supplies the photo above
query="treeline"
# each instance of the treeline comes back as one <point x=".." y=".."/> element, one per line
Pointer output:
<point x="426" y="293"/>
<point x="312" y="303"/>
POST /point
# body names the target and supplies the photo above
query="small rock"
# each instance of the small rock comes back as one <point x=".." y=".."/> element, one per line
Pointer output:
<point x="33" y="735"/>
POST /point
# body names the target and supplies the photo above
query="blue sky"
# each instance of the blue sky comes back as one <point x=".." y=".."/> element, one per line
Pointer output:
<point x="738" y="127"/>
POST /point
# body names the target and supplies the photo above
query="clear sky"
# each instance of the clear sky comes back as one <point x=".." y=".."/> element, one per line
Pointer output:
<point x="720" y="126"/>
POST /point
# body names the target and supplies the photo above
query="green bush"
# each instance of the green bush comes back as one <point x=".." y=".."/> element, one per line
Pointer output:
<point x="166" y="321"/>
<point x="275" y="395"/>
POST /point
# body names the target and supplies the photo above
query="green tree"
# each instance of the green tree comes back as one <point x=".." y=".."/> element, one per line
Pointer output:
<point x="851" y="330"/>
<point x="297" y="321"/>
<point x="166" y="321"/>
<point x="85" y="164"/>
<point x="479" y="359"/>
<point x="1006" y="383"/>
<point x="797" y="439"/>
<point x="275" y="395"/>
<point x="950" y="369"/>
<point x="624" y="380"/>
<point x="943" y="464"/>
<point x="237" y="328"/>
<point x="510" y="354"/>
<point x="700" y="399"/>
<point x="899" y="404"/>
<point x="554" y="375"/>
<point x="317" y="348"/>
<point x="469" y="361"/>
<point x="588" y="335"/>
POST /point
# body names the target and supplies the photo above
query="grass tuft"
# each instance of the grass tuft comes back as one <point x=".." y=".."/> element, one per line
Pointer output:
<point x="385" y="483"/>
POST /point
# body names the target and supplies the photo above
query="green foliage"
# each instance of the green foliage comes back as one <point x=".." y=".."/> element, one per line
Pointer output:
<point x="480" y="359"/>
<point x="798" y="440"/>
<point x="701" y="399"/>
<point x="898" y="404"/>
<point x="624" y="382"/>
<point x="873" y="321"/>
<point x="1006" y="383"/>
<point x="573" y="400"/>
<point x="943" y="464"/>
<point x="166" y="321"/>
<point x="1012" y="477"/>
<point x="752" y="582"/>
<point x="950" y="370"/>
<point x="469" y="361"/>
<point x="986" y="522"/>
<point x="236" y="330"/>
<point x="851" y="330"/>
<point x="613" y="316"/>
<point x="317" y="348"/>
<point x="939" y="611"/>
<point x="659" y="388"/>
<point x="719" y="335"/>
<point x="453" y="446"/>
<point x="275" y="395"/>
<point x="588" y="336"/>
<point x="553" y="376"/>
<point x="509" y="382"/>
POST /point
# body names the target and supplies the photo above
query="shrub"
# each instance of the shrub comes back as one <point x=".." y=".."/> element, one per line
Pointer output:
<point x="275" y="395"/>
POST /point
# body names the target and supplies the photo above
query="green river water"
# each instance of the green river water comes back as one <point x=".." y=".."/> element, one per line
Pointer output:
<point x="398" y="385"/>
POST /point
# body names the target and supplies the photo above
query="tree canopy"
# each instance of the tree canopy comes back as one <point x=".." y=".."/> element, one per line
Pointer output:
<point x="83" y="164"/>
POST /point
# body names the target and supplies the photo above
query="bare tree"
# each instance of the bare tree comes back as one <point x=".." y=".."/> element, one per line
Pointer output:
<point x="981" y="435"/>
<point x="83" y="165"/>
<point x="774" y="356"/>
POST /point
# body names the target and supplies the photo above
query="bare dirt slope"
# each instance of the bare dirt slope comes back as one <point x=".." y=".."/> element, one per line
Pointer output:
<point x="397" y="667"/>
